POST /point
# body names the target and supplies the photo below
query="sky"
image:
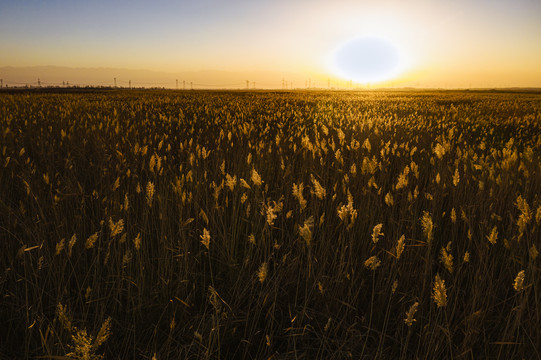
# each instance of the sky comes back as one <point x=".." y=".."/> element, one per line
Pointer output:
<point x="459" y="43"/>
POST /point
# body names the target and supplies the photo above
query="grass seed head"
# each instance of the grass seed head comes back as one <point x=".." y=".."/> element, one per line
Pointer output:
<point x="456" y="177"/>
<point x="262" y="272"/>
<point x="305" y="232"/>
<point x="493" y="235"/>
<point x="150" y="193"/>
<point x="428" y="226"/>
<point x="60" y="246"/>
<point x="205" y="238"/>
<point x="372" y="263"/>
<point x="518" y="284"/>
<point x="116" y="228"/>
<point x="400" y="246"/>
<point x="446" y="259"/>
<point x="63" y="316"/>
<point x="318" y="190"/>
<point x="439" y="292"/>
<point x="376" y="233"/>
<point x="256" y="179"/>
<point x="409" y="319"/>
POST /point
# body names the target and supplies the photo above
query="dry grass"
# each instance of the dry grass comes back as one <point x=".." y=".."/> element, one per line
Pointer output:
<point x="259" y="224"/>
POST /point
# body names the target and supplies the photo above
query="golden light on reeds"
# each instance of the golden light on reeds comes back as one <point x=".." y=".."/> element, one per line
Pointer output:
<point x="493" y="237"/>
<point x="116" y="227"/>
<point x="262" y="272"/>
<point x="60" y="246"/>
<point x="297" y="194"/>
<point x="439" y="294"/>
<point x="305" y="230"/>
<point x="446" y="259"/>
<point x="205" y="238"/>
<point x="376" y="233"/>
<point x="400" y="246"/>
<point x="293" y="195"/>
<point x="518" y="283"/>
<point x="409" y="319"/>
<point x="372" y="263"/>
<point x="71" y="244"/>
<point x="318" y="190"/>
<point x="525" y="214"/>
<point x="230" y="182"/>
<point x="456" y="177"/>
<point x="137" y="242"/>
<point x="150" y="193"/>
<point x="256" y="178"/>
<point x="427" y="226"/>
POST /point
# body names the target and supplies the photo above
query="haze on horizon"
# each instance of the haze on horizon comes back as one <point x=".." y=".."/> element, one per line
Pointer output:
<point x="463" y="43"/>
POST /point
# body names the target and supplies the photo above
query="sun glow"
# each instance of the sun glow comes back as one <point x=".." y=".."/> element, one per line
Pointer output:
<point x="367" y="59"/>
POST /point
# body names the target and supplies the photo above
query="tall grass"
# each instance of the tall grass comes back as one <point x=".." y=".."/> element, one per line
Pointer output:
<point x="260" y="224"/>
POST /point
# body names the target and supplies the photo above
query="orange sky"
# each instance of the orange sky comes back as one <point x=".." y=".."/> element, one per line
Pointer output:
<point x="461" y="43"/>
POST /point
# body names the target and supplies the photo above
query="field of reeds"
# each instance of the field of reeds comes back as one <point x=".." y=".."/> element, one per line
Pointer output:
<point x="257" y="225"/>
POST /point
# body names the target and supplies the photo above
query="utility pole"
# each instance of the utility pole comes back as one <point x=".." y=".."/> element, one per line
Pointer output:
<point x="191" y="84"/>
<point x="129" y="82"/>
<point x="183" y="84"/>
<point x="248" y="84"/>
<point x="115" y="82"/>
<point x="39" y="82"/>
<point x="177" y="84"/>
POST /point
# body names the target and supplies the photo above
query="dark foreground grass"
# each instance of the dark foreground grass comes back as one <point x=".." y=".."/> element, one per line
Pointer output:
<point x="257" y="224"/>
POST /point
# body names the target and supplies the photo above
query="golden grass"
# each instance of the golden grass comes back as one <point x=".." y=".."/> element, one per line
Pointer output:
<point x="323" y="225"/>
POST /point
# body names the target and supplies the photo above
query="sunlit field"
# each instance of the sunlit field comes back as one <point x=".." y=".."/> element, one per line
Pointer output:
<point x="257" y="225"/>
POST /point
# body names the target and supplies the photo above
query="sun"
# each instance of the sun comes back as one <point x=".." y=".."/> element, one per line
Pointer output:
<point x="367" y="59"/>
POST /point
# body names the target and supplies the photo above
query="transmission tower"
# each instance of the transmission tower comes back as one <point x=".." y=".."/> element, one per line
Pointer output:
<point x="183" y="84"/>
<point x="115" y="82"/>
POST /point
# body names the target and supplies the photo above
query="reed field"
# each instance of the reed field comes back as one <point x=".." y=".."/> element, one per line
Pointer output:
<point x="270" y="225"/>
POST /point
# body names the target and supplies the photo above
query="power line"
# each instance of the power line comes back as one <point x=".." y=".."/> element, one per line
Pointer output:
<point x="119" y="83"/>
